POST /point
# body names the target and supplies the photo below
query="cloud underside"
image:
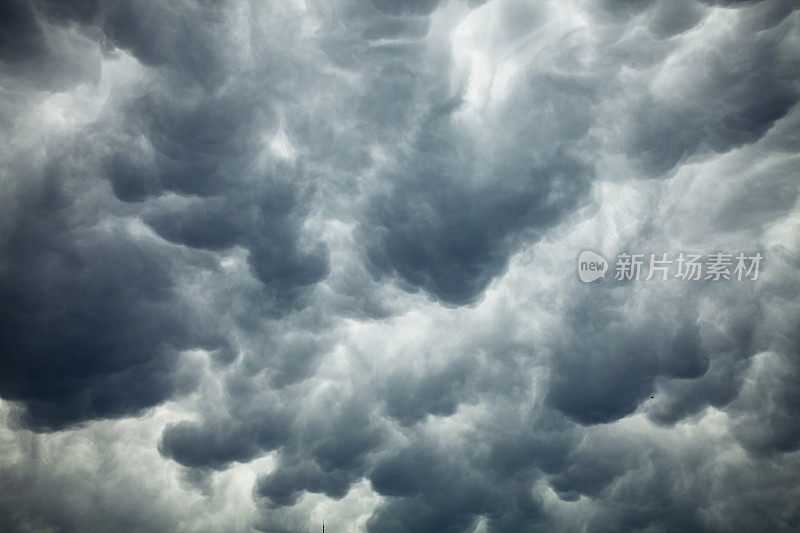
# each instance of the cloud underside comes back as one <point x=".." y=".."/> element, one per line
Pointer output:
<point x="261" y="264"/>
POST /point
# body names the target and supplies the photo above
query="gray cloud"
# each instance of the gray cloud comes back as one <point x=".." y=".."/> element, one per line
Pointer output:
<point x="93" y="317"/>
<point x="90" y="317"/>
<point x="262" y="265"/>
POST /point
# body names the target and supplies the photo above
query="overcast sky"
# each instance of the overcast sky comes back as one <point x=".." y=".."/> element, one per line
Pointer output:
<point x="264" y="263"/>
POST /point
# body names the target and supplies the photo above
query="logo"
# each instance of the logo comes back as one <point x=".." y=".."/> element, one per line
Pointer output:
<point x="684" y="266"/>
<point x="591" y="266"/>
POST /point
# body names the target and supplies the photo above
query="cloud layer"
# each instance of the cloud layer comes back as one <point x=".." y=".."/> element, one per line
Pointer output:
<point x="265" y="264"/>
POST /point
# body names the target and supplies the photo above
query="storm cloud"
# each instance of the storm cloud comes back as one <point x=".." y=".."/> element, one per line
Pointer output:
<point x="264" y="264"/>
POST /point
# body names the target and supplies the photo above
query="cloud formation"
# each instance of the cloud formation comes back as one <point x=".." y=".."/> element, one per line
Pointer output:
<point x="265" y="264"/>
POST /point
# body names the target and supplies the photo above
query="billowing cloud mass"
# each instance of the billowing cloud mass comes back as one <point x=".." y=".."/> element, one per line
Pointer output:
<point x="264" y="264"/>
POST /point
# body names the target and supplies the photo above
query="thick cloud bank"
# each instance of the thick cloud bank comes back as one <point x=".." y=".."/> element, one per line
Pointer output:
<point x="268" y="263"/>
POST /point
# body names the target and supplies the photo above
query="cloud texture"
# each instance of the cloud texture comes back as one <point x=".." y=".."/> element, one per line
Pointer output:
<point x="265" y="263"/>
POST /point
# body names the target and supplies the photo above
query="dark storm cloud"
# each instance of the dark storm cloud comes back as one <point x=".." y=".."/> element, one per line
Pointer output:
<point x="430" y="486"/>
<point x="452" y="217"/>
<point x="206" y="148"/>
<point x="435" y="484"/>
<point x="322" y="458"/>
<point x="216" y="444"/>
<point x="182" y="35"/>
<point x="285" y="227"/>
<point x="21" y="36"/>
<point x="734" y="102"/>
<point x="673" y="18"/>
<point x="612" y="358"/>
<point x="604" y="367"/>
<point x="92" y="321"/>
<point x="456" y="205"/>
<point x="433" y="493"/>
<point x="766" y="408"/>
